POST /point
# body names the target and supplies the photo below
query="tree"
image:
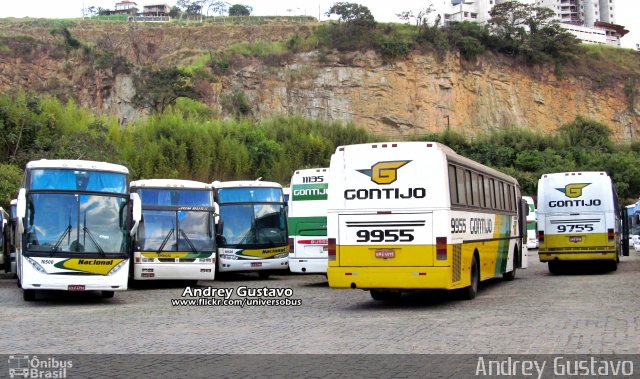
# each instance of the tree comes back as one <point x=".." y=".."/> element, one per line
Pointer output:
<point x="175" y="12"/>
<point x="421" y="16"/>
<point x="352" y="13"/>
<point x="219" y="7"/>
<point x="162" y="88"/>
<point x="240" y="10"/>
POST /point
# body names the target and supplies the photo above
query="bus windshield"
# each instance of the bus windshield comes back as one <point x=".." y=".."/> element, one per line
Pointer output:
<point x="250" y="195"/>
<point x="77" y="180"/>
<point x="176" y="230"/>
<point x="175" y="197"/>
<point x="254" y="224"/>
<point x="76" y="223"/>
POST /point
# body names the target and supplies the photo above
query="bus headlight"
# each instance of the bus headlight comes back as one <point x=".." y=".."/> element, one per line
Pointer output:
<point x="117" y="267"/>
<point x="283" y="255"/>
<point x="36" y="265"/>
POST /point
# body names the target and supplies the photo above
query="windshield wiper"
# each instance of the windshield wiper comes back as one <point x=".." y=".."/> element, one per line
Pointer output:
<point x="165" y="240"/>
<point x="186" y="238"/>
<point x="67" y="233"/>
<point x="92" y="238"/>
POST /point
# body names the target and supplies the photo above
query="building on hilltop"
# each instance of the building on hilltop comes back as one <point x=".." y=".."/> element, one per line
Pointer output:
<point x="126" y="7"/>
<point x="156" y="9"/>
<point x="591" y="21"/>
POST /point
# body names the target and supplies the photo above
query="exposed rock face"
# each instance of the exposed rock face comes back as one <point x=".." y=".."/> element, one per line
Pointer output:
<point x="420" y="95"/>
<point x="410" y="96"/>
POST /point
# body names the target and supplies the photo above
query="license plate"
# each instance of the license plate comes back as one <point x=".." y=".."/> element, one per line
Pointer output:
<point x="384" y="254"/>
<point x="256" y="264"/>
<point x="575" y="239"/>
<point x="76" y="287"/>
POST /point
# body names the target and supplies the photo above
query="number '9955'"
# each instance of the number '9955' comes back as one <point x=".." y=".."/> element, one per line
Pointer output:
<point x="388" y="235"/>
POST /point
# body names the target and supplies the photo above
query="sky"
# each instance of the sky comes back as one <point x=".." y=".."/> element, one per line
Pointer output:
<point x="628" y="11"/>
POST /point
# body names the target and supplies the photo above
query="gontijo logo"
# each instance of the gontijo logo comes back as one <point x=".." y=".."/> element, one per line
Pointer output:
<point x="573" y="190"/>
<point x="384" y="172"/>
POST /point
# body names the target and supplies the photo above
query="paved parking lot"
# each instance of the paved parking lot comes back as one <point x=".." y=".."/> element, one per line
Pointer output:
<point x="584" y="311"/>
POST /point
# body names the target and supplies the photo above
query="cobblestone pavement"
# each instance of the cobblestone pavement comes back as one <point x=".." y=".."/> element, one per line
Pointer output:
<point x="583" y="311"/>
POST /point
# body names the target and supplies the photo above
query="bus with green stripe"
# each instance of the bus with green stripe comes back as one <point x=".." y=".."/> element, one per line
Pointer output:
<point x="532" y="231"/>
<point x="308" y="221"/>
<point x="579" y="219"/>
<point x="407" y="216"/>
<point x="177" y="235"/>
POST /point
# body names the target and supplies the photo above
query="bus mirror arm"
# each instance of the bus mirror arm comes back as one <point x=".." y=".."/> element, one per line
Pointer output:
<point x="21" y="209"/>
<point x="136" y="213"/>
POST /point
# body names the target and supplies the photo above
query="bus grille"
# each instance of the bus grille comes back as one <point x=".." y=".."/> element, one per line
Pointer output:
<point x="187" y="259"/>
<point x="457" y="263"/>
<point x="167" y="260"/>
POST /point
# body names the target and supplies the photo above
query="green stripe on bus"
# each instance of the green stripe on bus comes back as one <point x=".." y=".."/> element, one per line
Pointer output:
<point x="307" y="226"/>
<point x="309" y="191"/>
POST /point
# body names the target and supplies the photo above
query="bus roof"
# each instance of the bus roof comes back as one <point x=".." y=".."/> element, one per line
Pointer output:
<point x="306" y="171"/>
<point x="451" y="155"/>
<point x="74" y="164"/>
<point x="172" y="183"/>
<point x="558" y="175"/>
<point x="245" y="183"/>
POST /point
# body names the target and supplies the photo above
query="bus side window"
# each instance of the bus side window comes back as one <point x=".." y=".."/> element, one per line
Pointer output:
<point x="462" y="193"/>
<point x="469" y="189"/>
<point x="492" y="188"/>
<point x="453" y="187"/>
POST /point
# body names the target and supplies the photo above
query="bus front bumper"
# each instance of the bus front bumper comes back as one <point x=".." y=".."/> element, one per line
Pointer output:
<point x="229" y="265"/>
<point x="174" y="271"/>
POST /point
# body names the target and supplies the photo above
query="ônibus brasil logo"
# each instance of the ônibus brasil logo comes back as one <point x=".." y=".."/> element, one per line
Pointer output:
<point x="384" y="172"/>
<point x="573" y="190"/>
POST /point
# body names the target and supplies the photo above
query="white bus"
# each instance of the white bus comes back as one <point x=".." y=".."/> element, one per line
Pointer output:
<point x="415" y="215"/>
<point x="253" y="227"/>
<point x="579" y="219"/>
<point x="11" y="239"/>
<point x="308" y="221"/>
<point x="5" y="239"/>
<point x="73" y="218"/>
<point x="532" y="231"/>
<point x="176" y="237"/>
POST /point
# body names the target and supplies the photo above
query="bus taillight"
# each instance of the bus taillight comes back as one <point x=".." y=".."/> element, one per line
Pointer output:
<point x="611" y="234"/>
<point x="441" y="248"/>
<point x="291" y="251"/>
<point x="332" y="249"/>
<point x="540" y="236"/>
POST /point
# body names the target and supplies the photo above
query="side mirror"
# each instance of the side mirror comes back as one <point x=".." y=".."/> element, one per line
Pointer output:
<point x="216" y="211"/>
<point x="21" y="209"/>
<point x="136" y="212"/>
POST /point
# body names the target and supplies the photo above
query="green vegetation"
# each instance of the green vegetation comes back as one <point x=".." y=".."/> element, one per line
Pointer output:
<point x="186" y="142"/>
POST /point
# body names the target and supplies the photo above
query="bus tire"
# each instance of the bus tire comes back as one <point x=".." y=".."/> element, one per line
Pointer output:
<point x="385" y="295"/>
<point x="264" y="274"/>
<point x="107" y="294"/>
<point x="613" y="265"/>
<point x="470" y="292"/>
<point x="29" y="295"/>
<point x="554" y="267"/>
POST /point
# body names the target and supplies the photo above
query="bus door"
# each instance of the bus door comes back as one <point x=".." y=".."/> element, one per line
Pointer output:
<point x="386" y="240"/>
<point x="523" y="212"/>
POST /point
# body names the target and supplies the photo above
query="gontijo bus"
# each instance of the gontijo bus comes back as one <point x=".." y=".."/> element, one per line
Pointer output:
<point x="579" y="219"/>
<point x="73" y="218"/>
<point x="176" y="237"/>
<point x="308" y="221"/>
<point x="415" y="215"/>
<point x="253" y="227"/>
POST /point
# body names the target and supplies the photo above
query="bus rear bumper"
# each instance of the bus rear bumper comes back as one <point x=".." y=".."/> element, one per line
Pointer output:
<point x="604" y="255"/>
<point x="308" y="265"/>
<point x="391" y="277"/>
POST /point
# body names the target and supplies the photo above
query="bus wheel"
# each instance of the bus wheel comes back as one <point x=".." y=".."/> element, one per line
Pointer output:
<point x="385" y="295"/>
<point x="29" y="295"/>
<point x="613" y="265"/>
<point x="263" y="274"/>
<point x="107" y="294"/>
<point x="470" y="292"/>
<point x="554" y="267"/>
